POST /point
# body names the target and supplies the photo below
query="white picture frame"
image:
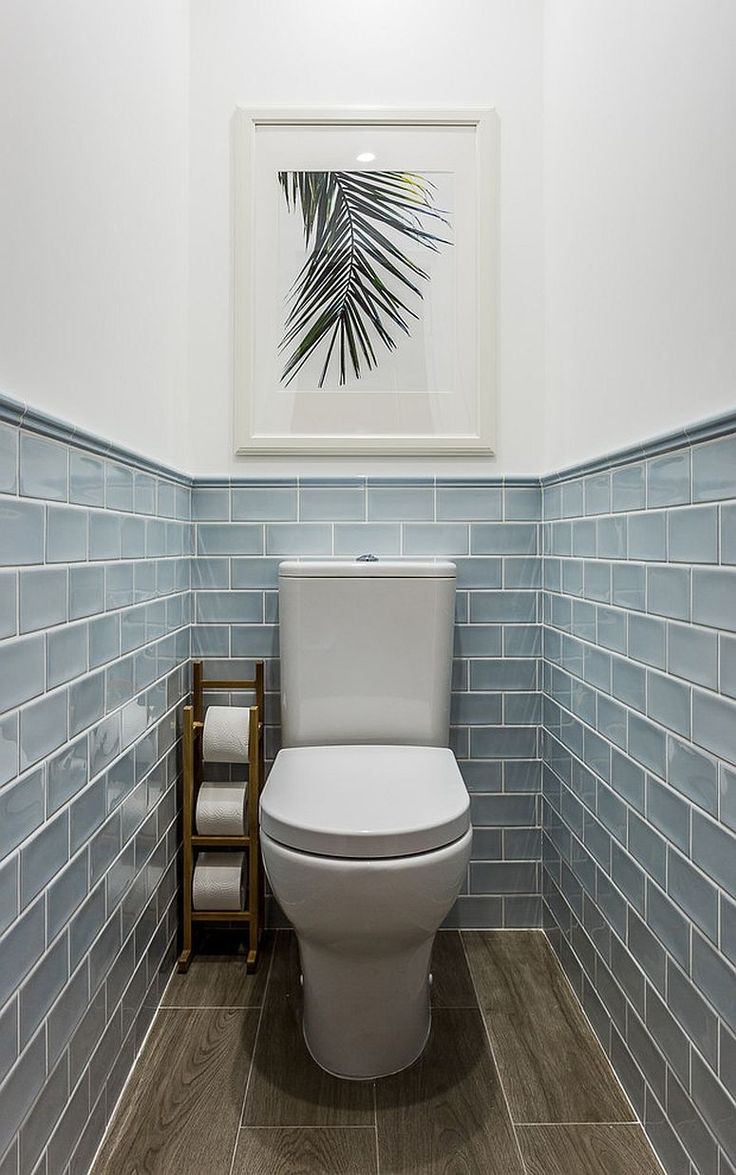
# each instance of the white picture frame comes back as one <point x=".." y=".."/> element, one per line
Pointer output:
<point x="433" y="391"/>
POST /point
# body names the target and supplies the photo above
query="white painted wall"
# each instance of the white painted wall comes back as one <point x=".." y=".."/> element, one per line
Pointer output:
<point x="640" y="227"/>
<point x="93" y="215"/>
<point x="617" y="284"/>
<point x="336" y="52"/>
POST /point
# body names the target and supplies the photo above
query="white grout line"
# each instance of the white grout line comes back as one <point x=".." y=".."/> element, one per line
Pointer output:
<point x="128" y="1080"/>
<point x="253" y="1054"/>
<point x="616" y="1077"/>
<point x="375" y="1127"/>
<point x="493" y="1055"/>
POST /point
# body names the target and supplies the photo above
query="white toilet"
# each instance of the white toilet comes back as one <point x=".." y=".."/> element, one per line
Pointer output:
<point x="365" y="819"/>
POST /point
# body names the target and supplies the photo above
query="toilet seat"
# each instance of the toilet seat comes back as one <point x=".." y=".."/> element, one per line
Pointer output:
<point x="365" y="801"/>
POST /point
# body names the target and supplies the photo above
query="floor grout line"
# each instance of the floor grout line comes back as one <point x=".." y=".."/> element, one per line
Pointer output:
<point x="375" y="1127"/>
<point x="253" y="1054"/>
<point x="493" y="1056"/>
<point x="628" y="1122"/>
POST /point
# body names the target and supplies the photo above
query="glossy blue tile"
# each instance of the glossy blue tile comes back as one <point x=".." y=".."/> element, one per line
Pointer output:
<point x="8" y="747"/>
<point x="692" y="773"/>
<point x="210" y="505"/>
<point x="8" y="459"/>
<point x="43" y="598"/>
<point x="727" y="681"/>
<point x="66" y="654"/>
<point x="343" y="503"/>
<point x="584" y="541"/>
<point x="647" y="744"/>
<point x="714" y="724"/>
<point x="86" y="591"/>
<point x="648" y="640"/>
<point x="648" y="536"/>
<point x="363" y="538"/>
<point x="229" y="539"/>
<point x="629" y="585"/>
<point x="43" y="728"/>
<point x="119" y="486"/>
<point x="43" y="857"/>
<point x="44" y="468"/>
<point x="693" y="534"/>
<point x="400" y="503"/>
<point x="21" y="810"/>
<point x="628" y="488"/>
<point x="693" y="893"/>
<point x="612" y="538"/>
<point x="264" y="503"/>
<point x="669" y="813"/>
<point x="435" y="538"/>
<point x="469" y="503"/>
<point x="86" y="479"/>
<point x="66" y="534"/>
<point x="293" y="539"/>
<point x="239" y="607"/>
<point x="693" y="654"/>
<point x="22" y="670"/>
<point x="714" y="598"/>
<point x="669" y="924"/>
<point x="8" y="603"/>
<point x="668" y="702"/>
<point x="597" y="490"/>
<point x="714" y="470"/>
<point x="572" y="499"/>
<point x="503" y="538"/>
<point x="522" y="503"/>
<point x="21" y="532"/>
<point x="668" y="479"/>
<point x="728" y="533"/>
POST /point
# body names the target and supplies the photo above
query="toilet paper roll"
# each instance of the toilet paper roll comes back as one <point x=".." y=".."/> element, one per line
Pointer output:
<point x="219" y="882"/>
<point x="221" y="809"/>
<point x="225" y="735"/>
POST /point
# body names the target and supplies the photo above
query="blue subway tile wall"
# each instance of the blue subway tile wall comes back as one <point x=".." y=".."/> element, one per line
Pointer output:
<point x="639" y="766"/>
<point x="94" y="651"/>
<point x="491" y="530"/>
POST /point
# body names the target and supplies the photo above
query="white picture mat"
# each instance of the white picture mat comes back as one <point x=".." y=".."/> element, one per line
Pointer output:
<point x="457" y="335"/>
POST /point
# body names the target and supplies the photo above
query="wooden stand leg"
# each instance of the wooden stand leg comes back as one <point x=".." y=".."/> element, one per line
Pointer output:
<point x="254" y="864"/>
<point x="188" y="787"/>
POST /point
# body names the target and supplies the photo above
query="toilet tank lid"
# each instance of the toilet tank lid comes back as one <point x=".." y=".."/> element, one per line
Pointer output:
<point x="378" y="569"/>
<point x="365" y="801"/>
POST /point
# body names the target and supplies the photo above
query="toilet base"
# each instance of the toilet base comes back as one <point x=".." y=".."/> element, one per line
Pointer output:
<point x="366" y="1017"/>
<point x="365" y="929"/>
<point x="373" y="1076"/>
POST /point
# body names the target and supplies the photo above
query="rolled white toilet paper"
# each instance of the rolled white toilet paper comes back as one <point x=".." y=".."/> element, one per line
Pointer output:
<point x="225" y="735"/>
<point x="219" y="882"/>
<point x="221" y="809"/>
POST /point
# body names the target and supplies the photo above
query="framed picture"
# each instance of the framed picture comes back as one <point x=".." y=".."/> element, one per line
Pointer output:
<point x="365" y="263"/>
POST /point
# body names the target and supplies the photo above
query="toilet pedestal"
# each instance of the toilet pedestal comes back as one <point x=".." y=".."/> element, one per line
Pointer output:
<point x="366" y="1017"/>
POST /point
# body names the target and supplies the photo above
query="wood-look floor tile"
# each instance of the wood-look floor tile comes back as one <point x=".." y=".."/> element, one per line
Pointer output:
<point x="587" y="1150"/>
<point x="452" y="986"/>
<point x="309" y="1150"/>
<point x="287" y="1087"/>
<point x="217" y="977"/>
<point x="447" y="1113"/>
<point x="552" y="1067"/>
<point x="181" y="1111"/>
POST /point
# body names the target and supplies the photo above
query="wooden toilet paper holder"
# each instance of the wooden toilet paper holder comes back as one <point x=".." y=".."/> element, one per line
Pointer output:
<point x="193" y="726"/>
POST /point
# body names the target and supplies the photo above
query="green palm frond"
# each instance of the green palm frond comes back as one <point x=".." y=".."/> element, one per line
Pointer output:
<point x="350" y="291"/>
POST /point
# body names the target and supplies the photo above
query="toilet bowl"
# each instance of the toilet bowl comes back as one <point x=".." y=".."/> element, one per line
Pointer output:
<point x="366" y="849"/>
<point x="365" y="824"/>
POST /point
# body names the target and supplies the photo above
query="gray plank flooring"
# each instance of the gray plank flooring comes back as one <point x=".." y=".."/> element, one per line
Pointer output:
<point x="552" y="1067"/>
<point x="587" y="1150"/>
<point x="509" y="1081"/>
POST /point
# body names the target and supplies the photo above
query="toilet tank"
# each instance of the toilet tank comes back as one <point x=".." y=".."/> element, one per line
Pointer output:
<point x="366" y="652"/>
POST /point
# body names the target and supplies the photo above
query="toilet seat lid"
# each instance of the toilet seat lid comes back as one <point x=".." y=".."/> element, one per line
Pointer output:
<point x="365" y="801"/>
